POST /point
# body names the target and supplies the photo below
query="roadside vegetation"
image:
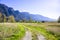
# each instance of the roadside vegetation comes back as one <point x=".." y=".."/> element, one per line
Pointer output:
<point x="42" y="31"/>
<point x="11" y="31"/>
<point x="16" y="31"/>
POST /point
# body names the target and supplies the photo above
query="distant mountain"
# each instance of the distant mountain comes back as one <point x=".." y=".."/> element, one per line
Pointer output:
<point x="40" y="18"/>
<point x="22" y="15"/>
<point x="8" y="11"/>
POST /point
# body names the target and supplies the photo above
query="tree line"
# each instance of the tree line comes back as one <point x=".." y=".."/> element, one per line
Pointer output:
<point x="3" y="18"/>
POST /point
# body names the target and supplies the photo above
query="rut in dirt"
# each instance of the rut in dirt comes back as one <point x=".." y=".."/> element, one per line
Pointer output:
<point x="41" y="37"/>
<point x="28" y="36"/>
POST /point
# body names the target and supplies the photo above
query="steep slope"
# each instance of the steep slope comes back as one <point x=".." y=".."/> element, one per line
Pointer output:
<point x="22" y="15"/>
<point x="4" y="9"/>
<point x="8" y="11"/>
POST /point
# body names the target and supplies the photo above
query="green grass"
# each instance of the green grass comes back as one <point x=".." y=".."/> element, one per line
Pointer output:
<point x="55" y="30"/>
<point x="16" y="31"/>
<point x="22" y="30"/>
<point x="42" y="31"/>
<point x="34" y="36"/>
<point x="11" y="32"/>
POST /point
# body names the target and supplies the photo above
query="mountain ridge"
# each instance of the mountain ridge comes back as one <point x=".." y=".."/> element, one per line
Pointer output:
<point x="22" y="15"/>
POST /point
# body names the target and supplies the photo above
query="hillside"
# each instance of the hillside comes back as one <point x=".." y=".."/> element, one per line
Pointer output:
<point x="8" y="11"/>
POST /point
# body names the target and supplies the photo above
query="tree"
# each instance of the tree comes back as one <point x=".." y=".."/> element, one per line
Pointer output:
<point x="43" y="21"/>
<point x="24" y="20"/>
<point x="5" y="18"/>
<point x="2" y="18"/>
<point x="59" y="19"/>
<point x="30" y="20"/>
<point x="11" y="19"/>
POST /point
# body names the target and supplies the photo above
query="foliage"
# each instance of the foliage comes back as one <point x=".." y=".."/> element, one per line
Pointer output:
<point x="43" y="21"/>
<point x="2" y="18"/>
<point x="11" y="19"/>
<point x="5" y="18"/>
<point x="42" y="31"/>
<point x="59" y="19"/>
<point x="11" y="32"/>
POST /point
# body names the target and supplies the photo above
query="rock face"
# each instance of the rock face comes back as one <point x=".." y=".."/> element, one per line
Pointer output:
<point x="4" y="9"/>
<point x="21" y="15"/>
<point x="10" y="11"/>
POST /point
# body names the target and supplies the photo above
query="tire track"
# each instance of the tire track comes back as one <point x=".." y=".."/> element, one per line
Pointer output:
<point x="28" y="36"/>
<point x="41" y="37"/>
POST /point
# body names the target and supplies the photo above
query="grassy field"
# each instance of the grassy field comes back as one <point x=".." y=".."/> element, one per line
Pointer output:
<point x="50" y="30"/>
<point x="11" y="31"/>
<point x="16" y="31"/>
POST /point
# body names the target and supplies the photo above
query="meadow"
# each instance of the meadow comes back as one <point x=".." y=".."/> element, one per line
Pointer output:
<point x="17" y="31"/>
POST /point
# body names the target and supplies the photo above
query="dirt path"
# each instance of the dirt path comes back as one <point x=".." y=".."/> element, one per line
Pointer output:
<point x="28" y="36"/>
<point x="41" y="37"/>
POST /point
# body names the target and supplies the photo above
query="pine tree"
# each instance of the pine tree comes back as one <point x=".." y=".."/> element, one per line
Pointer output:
<point x="59" y="19"/>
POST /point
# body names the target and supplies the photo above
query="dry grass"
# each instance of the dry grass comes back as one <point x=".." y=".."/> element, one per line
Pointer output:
<point x="11" y="31"/>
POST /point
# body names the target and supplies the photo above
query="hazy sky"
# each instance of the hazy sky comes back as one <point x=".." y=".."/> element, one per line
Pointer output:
<point x="48" y="8"/>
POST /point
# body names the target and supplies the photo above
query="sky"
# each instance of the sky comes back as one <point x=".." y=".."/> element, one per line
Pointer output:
<point x="48" y="8"/>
